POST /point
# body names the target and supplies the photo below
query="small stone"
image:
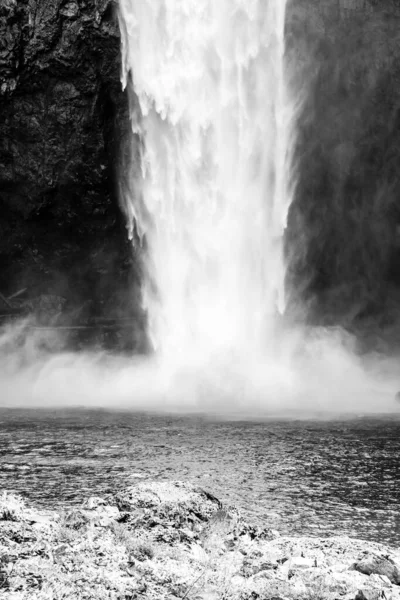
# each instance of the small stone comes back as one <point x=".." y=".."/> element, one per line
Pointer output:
<point x="93" y="502"/>
<point x="369" y="594"/>
<point x="299" y="588"/>
<point x="275" y="533"/>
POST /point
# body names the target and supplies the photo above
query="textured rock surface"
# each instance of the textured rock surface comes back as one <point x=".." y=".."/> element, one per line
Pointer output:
<point x="62" y="116"/>
<point x="173" y="540"/>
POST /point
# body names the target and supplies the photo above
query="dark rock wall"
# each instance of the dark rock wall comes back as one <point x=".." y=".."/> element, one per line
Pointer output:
<point x="343" y="240"/>
<point x="62" y="114"/>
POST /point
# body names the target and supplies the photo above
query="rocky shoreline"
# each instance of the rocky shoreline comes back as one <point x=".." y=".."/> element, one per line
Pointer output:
<point x="168" y="540"/>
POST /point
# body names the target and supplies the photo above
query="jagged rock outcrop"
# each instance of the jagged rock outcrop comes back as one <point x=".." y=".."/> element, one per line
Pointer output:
<point x="62" y="117"/>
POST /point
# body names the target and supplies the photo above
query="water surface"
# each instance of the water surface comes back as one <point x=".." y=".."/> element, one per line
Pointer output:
<point x="299" y="477"/>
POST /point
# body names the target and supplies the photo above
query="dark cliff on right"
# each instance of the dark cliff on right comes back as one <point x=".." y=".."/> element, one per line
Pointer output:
<point x="343" y="239"/>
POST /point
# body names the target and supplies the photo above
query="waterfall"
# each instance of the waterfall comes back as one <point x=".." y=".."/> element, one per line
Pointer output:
<point x="211" y="186"/>
<point x="206" y="187"/>
<point x="206" y="183"/>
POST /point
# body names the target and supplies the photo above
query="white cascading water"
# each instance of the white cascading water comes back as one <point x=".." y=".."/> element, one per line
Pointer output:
<point x="212" y="195"/>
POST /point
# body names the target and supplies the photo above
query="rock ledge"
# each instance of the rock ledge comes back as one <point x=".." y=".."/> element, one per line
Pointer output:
<point x="168" y="540"/>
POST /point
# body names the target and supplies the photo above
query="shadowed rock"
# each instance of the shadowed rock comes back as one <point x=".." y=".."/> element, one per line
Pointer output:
<point x="62" y="119"/>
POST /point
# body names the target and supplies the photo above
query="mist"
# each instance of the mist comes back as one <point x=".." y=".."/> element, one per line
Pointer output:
<point x="315" y="373"/>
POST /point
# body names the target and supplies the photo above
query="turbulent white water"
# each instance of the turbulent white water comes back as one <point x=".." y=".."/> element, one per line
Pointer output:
<point x="212" y="195"/>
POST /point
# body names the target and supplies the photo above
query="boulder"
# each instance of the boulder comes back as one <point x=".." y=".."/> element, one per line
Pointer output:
<point x="379" y="565"/>
<point x="176" y="494"/>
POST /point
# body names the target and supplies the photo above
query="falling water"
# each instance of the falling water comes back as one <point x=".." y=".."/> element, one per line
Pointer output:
<point x="212" y="195"/>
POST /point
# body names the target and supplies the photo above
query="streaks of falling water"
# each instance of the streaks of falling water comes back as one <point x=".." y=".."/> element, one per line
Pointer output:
<point x="212" y="195"/>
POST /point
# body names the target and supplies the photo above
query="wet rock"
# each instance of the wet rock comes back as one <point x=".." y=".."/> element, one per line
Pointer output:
<point x="380" y="565"/>
<point x="63" y="120"/>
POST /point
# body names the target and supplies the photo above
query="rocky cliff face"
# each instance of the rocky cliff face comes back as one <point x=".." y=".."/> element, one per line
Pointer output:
<point x="62" y="114"/>
<point x="344" y="223"/>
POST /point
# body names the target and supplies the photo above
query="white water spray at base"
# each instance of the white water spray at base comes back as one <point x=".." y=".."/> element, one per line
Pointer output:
<point x="213" y="193"/>
<point x="326" y="381"/>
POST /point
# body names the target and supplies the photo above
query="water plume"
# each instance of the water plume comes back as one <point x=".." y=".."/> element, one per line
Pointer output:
<point x="213" y="193"/>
